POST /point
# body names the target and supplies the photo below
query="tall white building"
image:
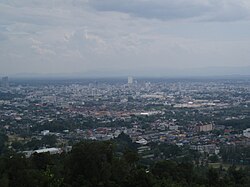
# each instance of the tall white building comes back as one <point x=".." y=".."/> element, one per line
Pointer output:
<point x="130" y="80"/>
<point x="5" y="82"/>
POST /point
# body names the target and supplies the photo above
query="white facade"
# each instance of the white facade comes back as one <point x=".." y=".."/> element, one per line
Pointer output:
<point x="5" y="82"/>
<point x="45" y="132"/>
<point x="246" y="133"/>
<point x="130" y="80"/>
<point x="50" y="150"/>
<point x="142" y="141"/>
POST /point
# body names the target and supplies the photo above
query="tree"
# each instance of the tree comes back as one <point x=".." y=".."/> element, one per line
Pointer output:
<point x="164" y="169"/>
<point x="90" y="162"/>
<point x="139" y="178"/>
<point x="49" y="140"/>
<point x="130" y="157"/>
<point x="213" y="177"/>
<point x="3" y="140"/>
<point x="213" y="158"/>
<point x="17" y="145"/>
<point x="41" y="160"/>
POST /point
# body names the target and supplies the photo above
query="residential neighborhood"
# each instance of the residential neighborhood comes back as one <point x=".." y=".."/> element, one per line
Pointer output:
<point x="203" y="115"/>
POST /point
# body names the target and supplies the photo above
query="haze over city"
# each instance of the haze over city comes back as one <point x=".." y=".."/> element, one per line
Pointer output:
<point x="121" y="38"/>
<point x="124" y="93"/>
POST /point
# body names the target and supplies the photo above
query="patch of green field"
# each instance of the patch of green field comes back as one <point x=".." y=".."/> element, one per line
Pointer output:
<point x="224" y="166"/>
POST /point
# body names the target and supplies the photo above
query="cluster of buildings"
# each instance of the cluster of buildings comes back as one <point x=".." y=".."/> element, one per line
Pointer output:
<point x="178" y="112"/>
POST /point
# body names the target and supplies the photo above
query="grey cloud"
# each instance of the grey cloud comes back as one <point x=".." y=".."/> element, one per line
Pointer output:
<point x="210" y="10"/>
<point x="229" y="11"/>
<point x="76" y="35"/>
<point x="39" y="17"/>
<point x="44" y="4"/>
<point x="3" y="37"/>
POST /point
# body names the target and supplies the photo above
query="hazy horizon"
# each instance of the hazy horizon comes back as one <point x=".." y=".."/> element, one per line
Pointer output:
<point x="168" y="73"/>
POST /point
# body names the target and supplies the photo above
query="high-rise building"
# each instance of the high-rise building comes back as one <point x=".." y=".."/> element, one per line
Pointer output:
<point x="204" y="127"/>
<point x="130" y="80"/>
<point x="5" y="82"/>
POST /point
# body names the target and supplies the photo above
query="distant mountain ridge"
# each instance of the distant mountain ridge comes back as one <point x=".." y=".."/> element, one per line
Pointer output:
<point x="153" y="72"/>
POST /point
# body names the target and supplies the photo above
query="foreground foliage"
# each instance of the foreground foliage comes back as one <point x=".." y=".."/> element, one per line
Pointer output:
<point x="94" y="164"/>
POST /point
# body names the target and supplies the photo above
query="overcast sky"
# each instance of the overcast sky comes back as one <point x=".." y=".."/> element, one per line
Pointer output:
<point x="144" y="37"/>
